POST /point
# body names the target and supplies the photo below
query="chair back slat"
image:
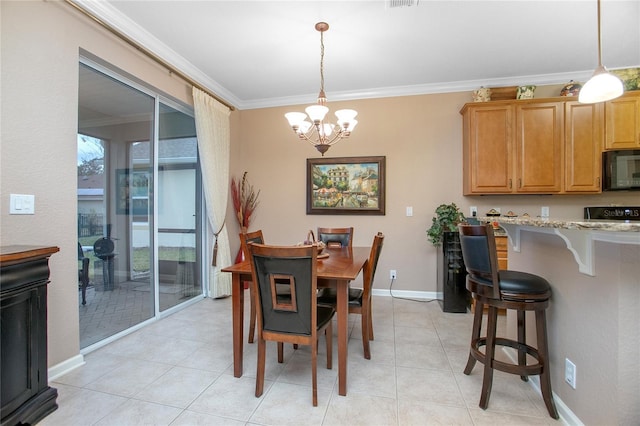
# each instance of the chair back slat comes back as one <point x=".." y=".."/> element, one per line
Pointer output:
<point x="342" y="237"/>
<point x="372" y="264"/>
<point x="250" y="237"/>
<point x="295" y="266"/>
<point x="480" y="257"/>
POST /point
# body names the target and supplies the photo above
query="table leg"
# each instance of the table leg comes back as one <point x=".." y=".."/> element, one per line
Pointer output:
<point x="237" y="299"/>
<point x="342" y="305"/>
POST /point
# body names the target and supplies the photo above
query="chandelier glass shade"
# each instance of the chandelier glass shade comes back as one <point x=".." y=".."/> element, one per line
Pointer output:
<point x="602" y="86"/>
<point x="311" y="125"/>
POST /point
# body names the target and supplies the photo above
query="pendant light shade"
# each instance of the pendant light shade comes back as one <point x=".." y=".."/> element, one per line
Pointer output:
<point x="602" y="86"/>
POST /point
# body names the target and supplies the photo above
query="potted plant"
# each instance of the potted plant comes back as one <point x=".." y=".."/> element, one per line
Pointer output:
<point x="447" y="218"/>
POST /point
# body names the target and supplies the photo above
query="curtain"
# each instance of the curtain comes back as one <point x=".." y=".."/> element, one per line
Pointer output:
<point x="212" y="128"/>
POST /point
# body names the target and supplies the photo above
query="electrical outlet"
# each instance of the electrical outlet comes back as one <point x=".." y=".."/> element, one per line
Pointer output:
<point x="570" y="373"/>
<point x="544" y="211"/>
<point x="393" y="274"/>
<point x="473" y="211"/>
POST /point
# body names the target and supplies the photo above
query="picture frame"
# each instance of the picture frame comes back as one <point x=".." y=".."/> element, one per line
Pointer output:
<point x="346" y="185"/>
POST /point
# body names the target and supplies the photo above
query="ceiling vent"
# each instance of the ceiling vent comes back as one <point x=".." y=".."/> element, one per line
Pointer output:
<point x="401" y="3"/>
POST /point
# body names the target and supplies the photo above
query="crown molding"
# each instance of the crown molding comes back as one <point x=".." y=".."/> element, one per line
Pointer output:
<point x="121" y="23"/>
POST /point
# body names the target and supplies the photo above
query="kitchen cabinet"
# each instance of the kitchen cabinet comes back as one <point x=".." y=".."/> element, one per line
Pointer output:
<point x="584" y="133"/>
<point x="622" y="117"/>
<point x="25" y="393"/>
<point x="488" y="129"/>
<point x="538" y="146"/>
<point x="502" y="251"/>
<point x="538" y="142"/>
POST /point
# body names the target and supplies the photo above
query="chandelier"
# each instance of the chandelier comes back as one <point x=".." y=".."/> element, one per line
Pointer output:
<point x="316" y="131"/>
<point x="602" y="86"/>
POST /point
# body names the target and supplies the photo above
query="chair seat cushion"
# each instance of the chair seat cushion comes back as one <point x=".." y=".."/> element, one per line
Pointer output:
<point x="522" y="282"/>
<point x="329" y="296"/>
<point x="325" y="314"/>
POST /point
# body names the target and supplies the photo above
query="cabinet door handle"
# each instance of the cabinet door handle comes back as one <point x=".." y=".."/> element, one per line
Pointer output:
<point x="509" y="183"/>
<point x="520" y="183"/>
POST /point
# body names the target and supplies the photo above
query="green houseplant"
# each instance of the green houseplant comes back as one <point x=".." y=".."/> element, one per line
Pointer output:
<point x="447" y="218"/>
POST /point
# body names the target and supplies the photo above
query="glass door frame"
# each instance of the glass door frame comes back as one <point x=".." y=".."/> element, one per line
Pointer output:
<point x="201" y="242"/>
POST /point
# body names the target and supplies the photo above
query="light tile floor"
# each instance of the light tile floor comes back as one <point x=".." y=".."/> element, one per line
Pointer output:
<point x="178" y="371"/>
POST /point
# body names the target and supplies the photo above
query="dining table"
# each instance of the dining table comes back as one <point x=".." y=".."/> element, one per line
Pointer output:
<point x="342" y="266"/>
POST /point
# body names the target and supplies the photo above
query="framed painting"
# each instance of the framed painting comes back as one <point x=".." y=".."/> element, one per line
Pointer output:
<point x="346" y="185"/>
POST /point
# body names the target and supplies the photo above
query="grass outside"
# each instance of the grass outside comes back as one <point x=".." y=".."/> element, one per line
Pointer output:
<point x="141" y="255"/>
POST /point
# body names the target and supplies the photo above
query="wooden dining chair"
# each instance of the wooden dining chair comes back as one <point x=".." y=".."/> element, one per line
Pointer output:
<point x="504" y="289"/>
<point x="245" y="239"/>
<point x="336" y="237"/>
<point x="360" y="298"/>
<point x="297" y="319"/>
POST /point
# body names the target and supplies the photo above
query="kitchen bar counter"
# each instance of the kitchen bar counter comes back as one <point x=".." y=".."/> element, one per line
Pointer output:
<point x="578" y="235"/>
<point x="583" y="224"/>
<point x="593" y="318"/>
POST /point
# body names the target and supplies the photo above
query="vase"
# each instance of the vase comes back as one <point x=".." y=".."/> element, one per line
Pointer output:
<point x="525" y="92"/>
<point x="482" y="94"/>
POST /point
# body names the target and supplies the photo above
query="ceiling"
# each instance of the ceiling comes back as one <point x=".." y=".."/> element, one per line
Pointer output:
<point x="256" y="54"/>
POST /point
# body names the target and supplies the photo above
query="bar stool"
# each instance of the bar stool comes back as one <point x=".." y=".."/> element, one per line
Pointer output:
<point x="504" y="289"/>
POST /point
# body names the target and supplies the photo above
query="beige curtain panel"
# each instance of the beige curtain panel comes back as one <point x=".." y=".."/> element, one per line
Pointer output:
<point x="212" y="128"/>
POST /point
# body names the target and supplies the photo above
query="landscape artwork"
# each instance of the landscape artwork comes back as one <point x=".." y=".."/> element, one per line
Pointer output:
<point x="346" y="185"/>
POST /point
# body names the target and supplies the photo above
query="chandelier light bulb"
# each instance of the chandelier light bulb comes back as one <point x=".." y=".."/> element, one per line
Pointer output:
<point x="317" y="113"/>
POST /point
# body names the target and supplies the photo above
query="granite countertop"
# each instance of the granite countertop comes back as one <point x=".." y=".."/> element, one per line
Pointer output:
<point x="583" y="224"/>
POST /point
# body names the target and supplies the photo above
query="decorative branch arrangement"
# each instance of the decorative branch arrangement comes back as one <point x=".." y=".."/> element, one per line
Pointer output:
<point x="245" y="200"/>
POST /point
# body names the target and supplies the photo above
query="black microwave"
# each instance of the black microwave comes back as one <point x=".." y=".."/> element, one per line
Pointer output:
<point x="621" y="170"/>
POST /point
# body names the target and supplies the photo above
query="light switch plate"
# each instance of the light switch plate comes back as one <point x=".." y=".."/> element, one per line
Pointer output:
<point x="21" y="204"/>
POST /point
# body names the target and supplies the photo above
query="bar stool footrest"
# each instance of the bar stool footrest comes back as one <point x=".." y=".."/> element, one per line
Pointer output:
<point x="507" y="367"/>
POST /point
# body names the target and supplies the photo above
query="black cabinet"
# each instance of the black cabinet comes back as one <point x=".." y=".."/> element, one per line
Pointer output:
<point x="453" y="295"/>
<point x="25" y="394"/>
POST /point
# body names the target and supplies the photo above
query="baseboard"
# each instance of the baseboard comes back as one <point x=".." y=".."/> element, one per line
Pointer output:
<point x="567" y="416"/>
<point x="65" y="366"/>
<point x="406" y="294"/>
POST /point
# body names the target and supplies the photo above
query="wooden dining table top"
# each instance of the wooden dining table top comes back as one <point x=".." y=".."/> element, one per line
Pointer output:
<point x="342" y="264"/>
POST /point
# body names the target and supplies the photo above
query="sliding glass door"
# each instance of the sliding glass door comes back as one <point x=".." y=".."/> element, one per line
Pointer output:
<point x="178" y="207"/>
<point x="138" y="204"/>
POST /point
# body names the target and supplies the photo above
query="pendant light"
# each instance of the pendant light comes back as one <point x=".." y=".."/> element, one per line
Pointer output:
<point x="602" y="86"/>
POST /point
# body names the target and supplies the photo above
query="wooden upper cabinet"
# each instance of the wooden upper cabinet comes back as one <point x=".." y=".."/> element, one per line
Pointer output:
<point x="539" y="135"/>
<point x="537" y="146"/>
<point x="622" y="117"/>
<point x="488" y="149"/>
<point x="584" y="133"/>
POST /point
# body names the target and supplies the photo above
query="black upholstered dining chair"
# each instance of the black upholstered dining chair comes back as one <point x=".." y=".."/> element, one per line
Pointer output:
<point x="336" y="237"/>
<point x="297" y="319"/>
<point x="360" y="298"/>
<point x="504" y="289"/>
